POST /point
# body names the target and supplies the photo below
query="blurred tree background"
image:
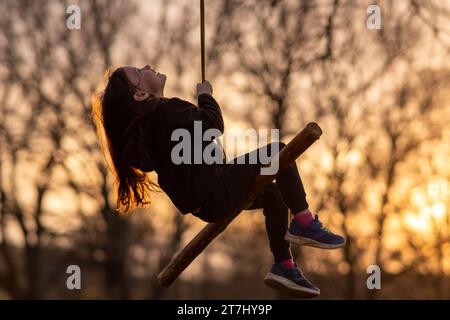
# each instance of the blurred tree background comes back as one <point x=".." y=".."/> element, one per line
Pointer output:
<point x="380" y="175"/>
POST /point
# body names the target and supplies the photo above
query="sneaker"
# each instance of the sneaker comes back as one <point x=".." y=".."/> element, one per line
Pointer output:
<point x="314" y="235"/>
<point x="291" y="281"/>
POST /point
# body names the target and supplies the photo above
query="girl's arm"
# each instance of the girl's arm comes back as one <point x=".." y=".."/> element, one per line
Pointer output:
<point x="208" y="104"/>
<point x="183" y="113"/>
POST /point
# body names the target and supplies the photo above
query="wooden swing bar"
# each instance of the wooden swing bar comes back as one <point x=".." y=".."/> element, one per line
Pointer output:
<point x="286" y="157"/>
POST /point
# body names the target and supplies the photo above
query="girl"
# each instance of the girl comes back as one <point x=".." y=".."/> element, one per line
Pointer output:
<point x="139" y="122"/>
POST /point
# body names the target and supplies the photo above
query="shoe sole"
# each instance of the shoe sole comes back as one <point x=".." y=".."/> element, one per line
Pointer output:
<point x="311" y="243"/>
<point x="291" y="288"/>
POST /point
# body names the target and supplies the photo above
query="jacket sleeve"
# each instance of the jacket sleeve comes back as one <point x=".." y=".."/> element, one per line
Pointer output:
<point x="208" y="112"/>
<point x="208" y="104"/>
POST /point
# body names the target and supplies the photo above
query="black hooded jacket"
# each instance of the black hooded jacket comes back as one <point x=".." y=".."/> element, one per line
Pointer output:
<point x="186" y="184"/>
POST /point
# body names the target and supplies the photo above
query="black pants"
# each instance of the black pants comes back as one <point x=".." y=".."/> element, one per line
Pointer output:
<point x="275" y="199"/>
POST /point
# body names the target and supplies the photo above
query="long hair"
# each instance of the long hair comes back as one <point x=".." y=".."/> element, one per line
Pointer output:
<point x="118" y="120"/>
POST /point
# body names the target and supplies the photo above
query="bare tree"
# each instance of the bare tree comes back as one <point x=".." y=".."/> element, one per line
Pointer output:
<point x="54" y="54"/>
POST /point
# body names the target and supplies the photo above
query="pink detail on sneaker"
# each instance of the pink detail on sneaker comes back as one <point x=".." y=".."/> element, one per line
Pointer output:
<point x="304" y="217"/>
<point x="287" y="264"/>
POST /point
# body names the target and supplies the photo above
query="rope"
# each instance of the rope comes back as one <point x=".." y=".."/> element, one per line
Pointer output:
<point x="202" y="37"/>
<point x="202" y="42"/>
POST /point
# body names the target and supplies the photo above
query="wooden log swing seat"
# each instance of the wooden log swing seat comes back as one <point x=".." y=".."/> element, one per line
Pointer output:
<point x="285" y="157"/>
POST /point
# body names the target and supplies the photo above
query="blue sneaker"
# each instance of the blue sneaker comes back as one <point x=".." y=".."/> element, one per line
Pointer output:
<point x="290" y="281"/>
<point x="313" y="235"/>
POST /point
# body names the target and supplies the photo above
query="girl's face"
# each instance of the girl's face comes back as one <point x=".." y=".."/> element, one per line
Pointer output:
<point x="146" y="81"/>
